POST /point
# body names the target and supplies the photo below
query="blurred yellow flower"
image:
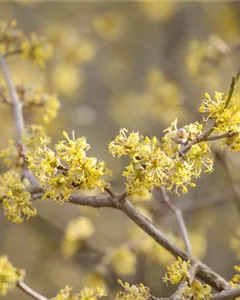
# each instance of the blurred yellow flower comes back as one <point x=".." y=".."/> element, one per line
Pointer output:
<point x="123" y="261"/>
<point x="158" y="10"/>
<point x="83" y="51"/>
<point x="67" y="78"/>
<point x="109" y="26"/>
<point x="77" y="230"/>
<point x="9" y="276"/>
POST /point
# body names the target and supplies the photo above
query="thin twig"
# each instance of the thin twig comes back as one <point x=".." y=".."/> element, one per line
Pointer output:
<point x="179" y="217"/>
<point x="204" y="272"/>
<point x="231" y="89"/>
<point x="29" y="291"/>
<point x="17" y="105"/>
<point x="19" y="120"/>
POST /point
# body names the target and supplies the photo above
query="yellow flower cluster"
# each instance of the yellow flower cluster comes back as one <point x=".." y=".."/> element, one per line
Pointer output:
<point x="192" y="289"/>
<point x="153" y="165"/>
<point x="9" y="276"/>
<point x="204" y="54"/>
<point x="148" y="161"/>
<point x="158" y="11"/>
<point x="226" y="115"/>
<point x="197" y="291"/>
<point x="77" y="231"/>
<point x="32" y="137"/>
<point x="198" y="156"/>
<point x="85" y="294"/>
<point x="223" y="110"/>
<point x="16" y="202"/>
<point x="33" y="47"/>
<point x="96" y="279"/>
<point x="136" y="292"/>
<point x="177" y="272"/>
<point x="67" y="169"/>
<point x="109" y="26"/>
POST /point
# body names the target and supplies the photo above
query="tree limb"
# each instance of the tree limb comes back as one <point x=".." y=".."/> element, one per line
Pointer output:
<point x="205" y="272"/>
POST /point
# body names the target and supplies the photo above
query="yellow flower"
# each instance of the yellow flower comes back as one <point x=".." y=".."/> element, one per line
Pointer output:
<point x="77" y="230"/>
<point x="198" y="291"/>
<point x="67" y="169"/>
<point x="139" y="292"/>
<point x="67" y="78"/>
<point x="85" y="294"/>
<point x="177" y="272"/>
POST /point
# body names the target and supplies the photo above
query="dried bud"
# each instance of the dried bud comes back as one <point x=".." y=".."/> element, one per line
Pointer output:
<point x="181" y="136"/>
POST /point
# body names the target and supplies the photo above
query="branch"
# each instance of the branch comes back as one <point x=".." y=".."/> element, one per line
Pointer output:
<point x="227" y="295"/>
<point x="94" y="201"/>
<point x="205" y="272"/>
<point x="179" y="217"/>
<point x="228" y="134"/>
<point x="17" y="106"/>
<point x="205" y="136"/>
<point x="29" y="291"/>
<point x="18" y="118"/>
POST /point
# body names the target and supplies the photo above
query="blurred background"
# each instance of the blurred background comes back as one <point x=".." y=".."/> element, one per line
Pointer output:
<point x="137" y="65"/>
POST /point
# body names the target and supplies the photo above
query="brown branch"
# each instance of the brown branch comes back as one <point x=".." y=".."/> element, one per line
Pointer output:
<point x="94" y="201"/>
<point x="205" y="272"/>
<point x="179" y="217"/>
<point x="29" y="291"/>
<point x="85" y="200"/>
<point x="228" y="134"/>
